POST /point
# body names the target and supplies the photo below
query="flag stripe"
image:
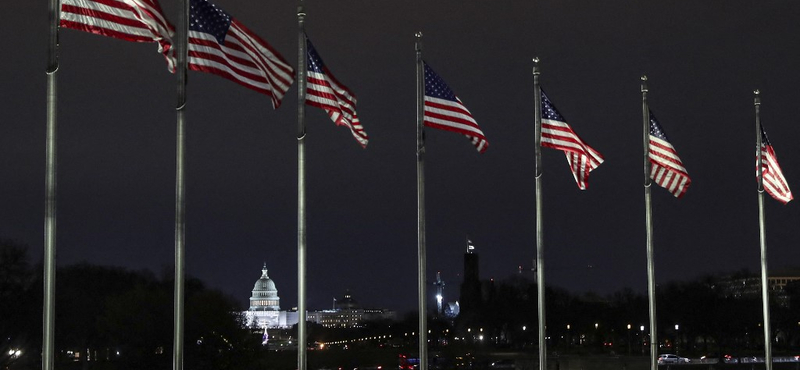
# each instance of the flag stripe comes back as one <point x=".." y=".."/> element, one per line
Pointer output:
<point x="666" y="167"/>
<point x="130" y="20"/>
<point x="443" y="110"/>
<point x="442" y="114"/>
<point x="324" y="91"/>
<point x="772" y="176"/>
<point x="557" y="134"/>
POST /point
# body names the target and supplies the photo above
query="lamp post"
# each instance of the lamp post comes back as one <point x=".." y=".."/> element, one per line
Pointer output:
<point x="677" y="338"/>
<point x="629" y="339"/>
<point x="569" y="337"/>
<point x="641" y="329"/>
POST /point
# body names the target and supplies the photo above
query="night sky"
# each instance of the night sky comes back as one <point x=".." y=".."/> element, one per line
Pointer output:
<point x="116" y="146"/>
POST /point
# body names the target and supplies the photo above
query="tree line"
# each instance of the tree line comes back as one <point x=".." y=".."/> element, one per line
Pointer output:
<point x="113" y="318"/>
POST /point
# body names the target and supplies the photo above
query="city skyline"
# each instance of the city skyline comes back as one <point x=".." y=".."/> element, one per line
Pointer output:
<point x="116" y="151"/>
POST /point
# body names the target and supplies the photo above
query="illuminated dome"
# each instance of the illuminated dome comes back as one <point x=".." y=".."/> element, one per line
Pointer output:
<point x="265" y="295"/>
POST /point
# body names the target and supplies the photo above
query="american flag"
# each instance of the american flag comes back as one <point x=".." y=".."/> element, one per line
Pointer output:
<point x="557" y="134"/>
<point x="774" y="182"/>
<point x="324" y="91"/>
<point x="444" y="110"/>
<point x="131" y="20"/>
<point x="221" y="45"/>
<point x="666" y="168"/>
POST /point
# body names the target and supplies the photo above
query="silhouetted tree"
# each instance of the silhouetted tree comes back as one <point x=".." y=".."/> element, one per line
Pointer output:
<point x="17" y="304"/>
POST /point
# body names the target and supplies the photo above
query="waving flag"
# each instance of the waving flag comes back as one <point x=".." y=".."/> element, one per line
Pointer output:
<point x="221" y="45"/>
<point x="774" y="182"/>
<point x="444" y="110"/>
<point x="324" y="91"/>
<point x="667" y="169"/>
<point x="557" y="134"/>
<point x="131" y="20"/>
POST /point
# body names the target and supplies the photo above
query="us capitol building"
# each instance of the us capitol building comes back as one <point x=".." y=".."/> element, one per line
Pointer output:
<point x="265" y="306"/>
<point x="265" y="310"/>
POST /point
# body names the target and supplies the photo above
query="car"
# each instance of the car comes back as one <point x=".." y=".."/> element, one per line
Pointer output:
<point x="672" y="359"/>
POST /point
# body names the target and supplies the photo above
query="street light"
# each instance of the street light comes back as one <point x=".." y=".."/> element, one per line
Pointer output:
<point x="569" y="338"/>
<point x="641" y="329"/>
<point x="629" y="339"/>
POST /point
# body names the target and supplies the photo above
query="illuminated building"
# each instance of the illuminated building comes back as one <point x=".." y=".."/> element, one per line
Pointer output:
<point x="265" y="309"/>
<point x="347" y="313"/>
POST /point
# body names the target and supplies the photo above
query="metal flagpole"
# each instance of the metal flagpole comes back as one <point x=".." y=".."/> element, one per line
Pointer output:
<point x="537" y="96"/>
<point x="762" y="232"/>
<point x="648" y="218"/>
<point x="180" y="187"/>
<point x="421" y="252"/>
<point x="301" y="190"/>
<point x="48" y="309"/>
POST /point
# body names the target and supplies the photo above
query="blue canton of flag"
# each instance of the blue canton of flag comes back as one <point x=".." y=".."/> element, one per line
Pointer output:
<point x="557" y="134"/>
<point x="324" y="91"/>
<point x="444" y="110"/>
<point x="666" y="168"/>
<point x="206" y="17"/>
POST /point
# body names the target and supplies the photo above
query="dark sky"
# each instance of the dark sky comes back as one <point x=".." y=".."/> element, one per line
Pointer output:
<point x="116" y="154"/>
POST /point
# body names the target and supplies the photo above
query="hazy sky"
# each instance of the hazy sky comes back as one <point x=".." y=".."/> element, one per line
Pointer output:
<point x="116" y="146"/>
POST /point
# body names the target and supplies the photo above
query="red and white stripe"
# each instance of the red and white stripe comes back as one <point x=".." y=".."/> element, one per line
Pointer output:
<point x="245" y="59"/>
<point x="454" y="116"/>
<point x="324" y="91"/>
<point x="666" y="168"/>
<point x="774" y="182"/>
<point x="581" y="157"/>
<point x="131" y="20"/>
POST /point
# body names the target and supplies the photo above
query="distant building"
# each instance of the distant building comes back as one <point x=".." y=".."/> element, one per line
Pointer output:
<point x="347" y="313"/>
<point x="470" y="299"/>
<point x="750" y="287"/>
<point x="265" y="307"/>
<point x="265" y="310"/>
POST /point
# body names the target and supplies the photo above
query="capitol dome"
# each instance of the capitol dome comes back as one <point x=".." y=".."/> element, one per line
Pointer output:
<point x="265" y="294"/>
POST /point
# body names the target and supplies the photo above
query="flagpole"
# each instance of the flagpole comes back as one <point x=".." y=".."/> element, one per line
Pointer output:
<point x="537" y="96"/>
<point x="648" y="211"/>
<point x="48" y="309"/>
<point x="762" y="233"/>
<point x="421" y="251"/>
<point x="301" y="190"/>
<point x="180" y="187"/>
